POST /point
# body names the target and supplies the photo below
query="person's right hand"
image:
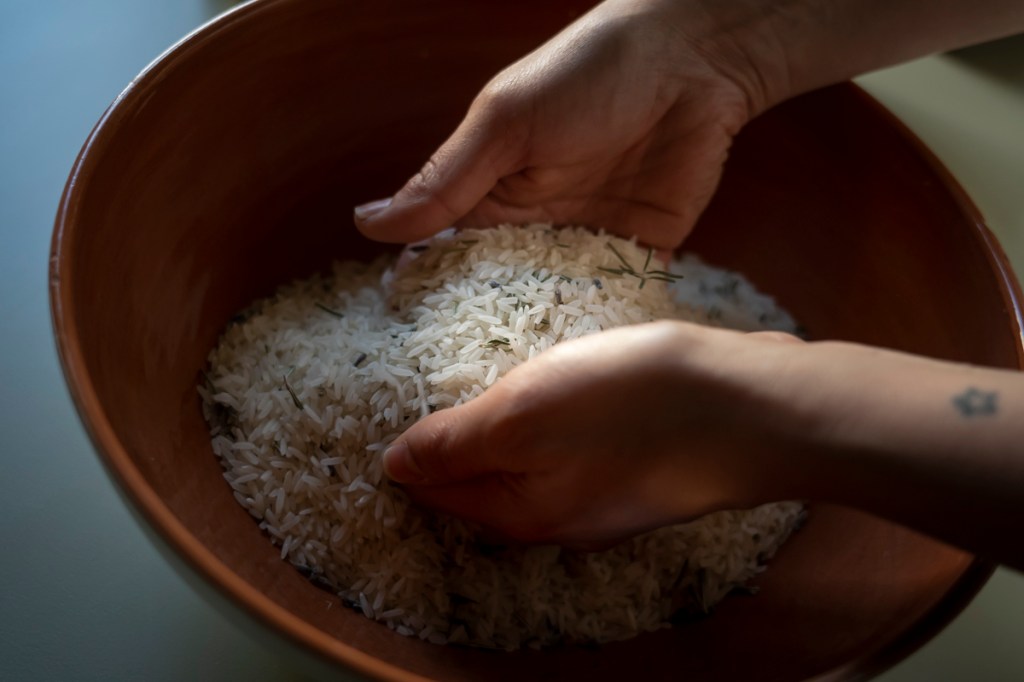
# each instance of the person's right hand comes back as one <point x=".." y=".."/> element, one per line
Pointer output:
<point x="622" y="121"/>
<point x="605" y="436"/>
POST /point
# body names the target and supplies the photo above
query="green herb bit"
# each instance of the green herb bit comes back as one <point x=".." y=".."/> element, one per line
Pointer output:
<point x="621" y="270"/>
<point x="625" y="263"/>
<point x="295" y="399"/>
<point x="331" y="311"/>
<point x="561" y="246"/>
<point x="645" y="274"/>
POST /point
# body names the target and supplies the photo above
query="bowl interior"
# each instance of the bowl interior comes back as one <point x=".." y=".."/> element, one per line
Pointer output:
<point x="232" y="166"/>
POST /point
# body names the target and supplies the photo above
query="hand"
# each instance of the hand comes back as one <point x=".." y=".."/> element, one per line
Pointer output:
<point x="606" y="436"/>
<point x="602" y="437"/>
<point x="622" y="121"/>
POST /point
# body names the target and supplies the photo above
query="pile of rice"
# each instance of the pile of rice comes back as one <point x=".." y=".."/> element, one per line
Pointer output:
<point x="306" y="389"/>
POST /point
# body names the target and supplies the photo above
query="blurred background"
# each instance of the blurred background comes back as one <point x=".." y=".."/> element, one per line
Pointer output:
<point x="83" y="595"/>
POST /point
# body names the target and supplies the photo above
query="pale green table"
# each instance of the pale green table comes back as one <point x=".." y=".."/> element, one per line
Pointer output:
<point x="969" y="108"/>
<point x="83" y="595"/>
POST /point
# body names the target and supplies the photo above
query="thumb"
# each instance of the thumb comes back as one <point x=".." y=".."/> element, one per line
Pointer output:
<point x="445" y="447"/>
<point x="455" y="179"/>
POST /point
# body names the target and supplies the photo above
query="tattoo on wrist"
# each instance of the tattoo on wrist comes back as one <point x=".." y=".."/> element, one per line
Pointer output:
<point x="974" y="402"/>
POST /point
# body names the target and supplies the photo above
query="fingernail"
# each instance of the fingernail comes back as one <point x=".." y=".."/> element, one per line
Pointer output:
<point x="399" y="465"/>
<point x="368" y="210"/>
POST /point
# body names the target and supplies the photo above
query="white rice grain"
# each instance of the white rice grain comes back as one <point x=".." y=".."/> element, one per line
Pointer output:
<point x="454" y="320"/>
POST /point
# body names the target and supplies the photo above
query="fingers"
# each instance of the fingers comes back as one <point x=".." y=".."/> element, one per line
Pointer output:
<point x="446" y="447"/>
<point x="452" y="462"/>
<point x="455" y="179"/>
<point x="484" y="500"/>
<point x="445" y="463"/>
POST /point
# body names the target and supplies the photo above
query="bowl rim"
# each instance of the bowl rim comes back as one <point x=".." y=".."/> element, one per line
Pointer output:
<point x="162" y="525"/>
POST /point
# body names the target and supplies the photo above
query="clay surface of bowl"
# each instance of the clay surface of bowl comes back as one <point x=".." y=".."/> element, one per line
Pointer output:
<point x="232" y="164"/>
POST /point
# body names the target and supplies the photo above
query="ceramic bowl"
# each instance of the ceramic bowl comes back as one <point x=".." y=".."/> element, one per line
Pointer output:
<point x="231" y="165"/>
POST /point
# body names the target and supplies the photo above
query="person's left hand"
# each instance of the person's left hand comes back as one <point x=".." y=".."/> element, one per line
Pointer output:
<point x="622" y="121"/>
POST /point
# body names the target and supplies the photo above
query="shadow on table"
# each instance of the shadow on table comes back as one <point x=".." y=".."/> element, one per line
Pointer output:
<point x="1000" y="59"/>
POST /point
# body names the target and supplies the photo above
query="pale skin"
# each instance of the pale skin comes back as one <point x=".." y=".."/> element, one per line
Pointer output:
<point x="623" y="121"/>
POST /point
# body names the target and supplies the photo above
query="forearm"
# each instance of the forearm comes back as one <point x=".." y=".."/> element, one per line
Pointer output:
<point x="935" y="446"/>
<point x="826" y="41"/>
<point x="932" y="445"/>
<point x="776" y="49"/>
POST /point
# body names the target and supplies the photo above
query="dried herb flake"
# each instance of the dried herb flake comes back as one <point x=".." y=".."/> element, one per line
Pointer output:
<point x="331" y="311"/>
<point x="295" y="398"/>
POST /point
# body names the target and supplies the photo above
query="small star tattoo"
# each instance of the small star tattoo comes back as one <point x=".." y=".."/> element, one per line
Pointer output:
<point x="976" y="403"/>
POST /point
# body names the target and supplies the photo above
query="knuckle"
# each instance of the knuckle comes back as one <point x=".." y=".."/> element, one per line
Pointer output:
<point x="449" y="459"/>
<point x="501" y="110"/>
<point x="432" y="449"/>
<point x="425" y="179"/>
<point x="428" y="186"/>
<point x="512" y="427"/>
<point x="501" y="93"/>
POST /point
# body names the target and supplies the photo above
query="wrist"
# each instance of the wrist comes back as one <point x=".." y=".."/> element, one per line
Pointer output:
<point x="739" y="40"/>
<point x="702" y="49"/>
<point x="747" y="421"/>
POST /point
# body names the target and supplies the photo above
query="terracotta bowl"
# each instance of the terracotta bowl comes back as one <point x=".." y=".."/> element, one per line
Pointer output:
<point x="232" y="164"/>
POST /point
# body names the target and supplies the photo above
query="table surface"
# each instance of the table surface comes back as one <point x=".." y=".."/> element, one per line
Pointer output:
<point x="84" y="595"/>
